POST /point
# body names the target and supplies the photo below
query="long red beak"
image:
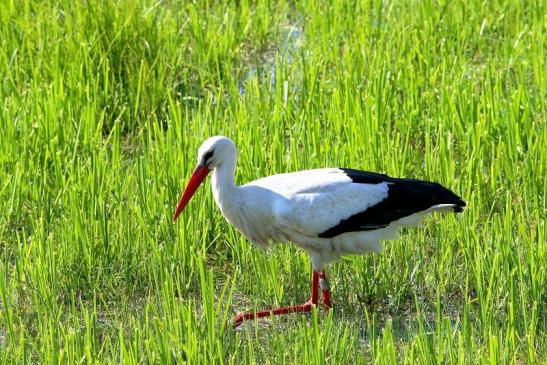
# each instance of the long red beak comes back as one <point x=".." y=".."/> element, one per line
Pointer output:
<point x="197" y="178"/>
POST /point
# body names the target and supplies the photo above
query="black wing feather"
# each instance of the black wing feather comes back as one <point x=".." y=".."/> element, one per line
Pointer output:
<point x="405" y="197"/>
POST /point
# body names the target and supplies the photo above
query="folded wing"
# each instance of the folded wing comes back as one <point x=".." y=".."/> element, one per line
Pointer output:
<point x="329" y="202"/>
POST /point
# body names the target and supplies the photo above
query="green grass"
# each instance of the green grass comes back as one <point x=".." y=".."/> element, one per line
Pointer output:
<point x="103" y="106"/>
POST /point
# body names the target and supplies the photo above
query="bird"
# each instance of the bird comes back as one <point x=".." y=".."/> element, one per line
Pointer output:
<point x="327" y="212"/>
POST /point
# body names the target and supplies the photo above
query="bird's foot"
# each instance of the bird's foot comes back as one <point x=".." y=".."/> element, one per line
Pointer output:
<point x="303" y="308"/>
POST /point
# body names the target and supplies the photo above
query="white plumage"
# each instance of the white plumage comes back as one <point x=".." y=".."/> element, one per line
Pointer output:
<point x="297" y="207"/>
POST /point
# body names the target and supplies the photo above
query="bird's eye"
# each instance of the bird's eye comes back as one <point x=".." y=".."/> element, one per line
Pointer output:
<point x="206" y="157"/>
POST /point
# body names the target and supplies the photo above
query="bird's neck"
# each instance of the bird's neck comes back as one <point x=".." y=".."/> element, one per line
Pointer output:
<point x="223" y="183"/>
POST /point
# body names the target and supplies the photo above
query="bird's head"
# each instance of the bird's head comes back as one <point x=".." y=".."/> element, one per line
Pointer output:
<point x="215" y="151"/>
<point x="212" y="153"/>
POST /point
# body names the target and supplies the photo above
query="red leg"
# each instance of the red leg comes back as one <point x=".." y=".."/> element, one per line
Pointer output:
<point x="306" y="307"/>
<point x="325" y="291"/>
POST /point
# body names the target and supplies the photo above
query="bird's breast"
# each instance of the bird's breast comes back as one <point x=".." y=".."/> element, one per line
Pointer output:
<point x="247" y="215"/>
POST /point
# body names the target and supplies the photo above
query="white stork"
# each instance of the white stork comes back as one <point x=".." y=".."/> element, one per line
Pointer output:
<point x="327" y="212"/>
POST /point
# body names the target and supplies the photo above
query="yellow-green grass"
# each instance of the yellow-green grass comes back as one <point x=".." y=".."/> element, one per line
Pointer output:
<point x="103" y="106"/>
